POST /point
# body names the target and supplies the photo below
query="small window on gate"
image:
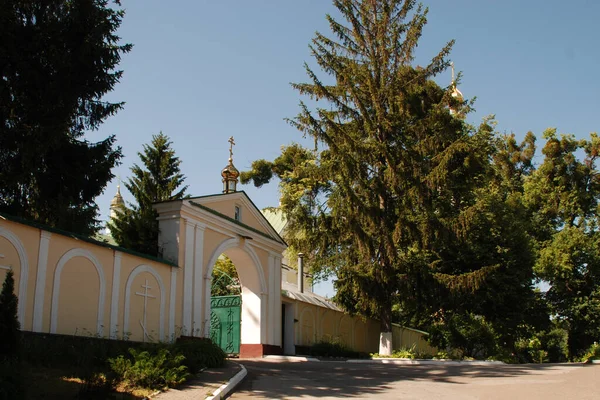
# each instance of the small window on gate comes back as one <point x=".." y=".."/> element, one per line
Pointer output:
<point x="238" y="213"/>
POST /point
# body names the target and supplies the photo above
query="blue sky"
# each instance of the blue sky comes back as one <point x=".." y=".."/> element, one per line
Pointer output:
<point x="202" y="71"/>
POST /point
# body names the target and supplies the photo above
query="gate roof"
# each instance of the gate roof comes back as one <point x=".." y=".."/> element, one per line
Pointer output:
<point x="222" y="206"/>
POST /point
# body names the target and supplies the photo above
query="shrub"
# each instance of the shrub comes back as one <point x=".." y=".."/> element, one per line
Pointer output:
<point x="333" y="348"/>
<point x="542" y="347"/>
<point x="87" y="357"/>
<point x="468" y="333"/>
<point x="152" y="371"/>
<point x="303" y="350"/>
<point x="593" y="353"/>
<point x="556" y="343"/>
<point x="405" y="352"/>
<point x="536" y="352"/>
<point x="452" y="354"/>
<point x="200" y="353"/>
<point x="522" y="353"/>
<point x="75" y="352"/>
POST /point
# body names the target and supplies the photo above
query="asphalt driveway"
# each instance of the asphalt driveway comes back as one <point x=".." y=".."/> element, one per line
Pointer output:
<point x="271" y="379"/>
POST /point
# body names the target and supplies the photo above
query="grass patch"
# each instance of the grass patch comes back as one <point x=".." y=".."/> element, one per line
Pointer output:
<point x="56" y="383"/>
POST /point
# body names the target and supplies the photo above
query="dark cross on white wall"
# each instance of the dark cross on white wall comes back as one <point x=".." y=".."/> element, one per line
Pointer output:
<point x="146" y="296"/>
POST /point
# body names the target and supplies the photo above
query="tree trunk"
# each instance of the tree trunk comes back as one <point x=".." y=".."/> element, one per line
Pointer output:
<point x="385" y="336"/>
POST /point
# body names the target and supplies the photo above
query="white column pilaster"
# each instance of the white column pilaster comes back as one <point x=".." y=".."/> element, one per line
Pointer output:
<point x="188" y="278"/>
<point x="271" y="300"/>
<point x="277" y="300"/>
<point x="40" y="281"/>
<point x="172" y="300"/>
<point x="318" y="328"/>
<point x="198" y="297"/>
<point x="264" y="325"/>
<point x="114" y="301"/>
<point x="207" y="292"/>
<point x="298" y="326"/>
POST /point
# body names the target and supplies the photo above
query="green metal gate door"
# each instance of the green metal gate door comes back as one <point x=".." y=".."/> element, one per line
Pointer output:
<point x="225" y="322"/>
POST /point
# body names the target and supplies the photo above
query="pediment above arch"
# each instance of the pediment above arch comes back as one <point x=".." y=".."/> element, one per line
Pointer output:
<point x="233" y="212"/>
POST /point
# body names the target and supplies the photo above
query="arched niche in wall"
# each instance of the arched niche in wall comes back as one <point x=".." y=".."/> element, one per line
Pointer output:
<point x="144" y="305"/>
<point x="21" y="270"/>
<point x="78" y="290"/>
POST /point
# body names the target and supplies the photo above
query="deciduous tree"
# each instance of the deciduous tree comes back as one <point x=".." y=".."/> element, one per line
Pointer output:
<point x="564" y="194"/>
<point x="498" y="234"/>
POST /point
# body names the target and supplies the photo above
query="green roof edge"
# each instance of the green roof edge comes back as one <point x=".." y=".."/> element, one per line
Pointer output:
<point x="410" y="329"/>
<point x="87" y="239"/>
<point x="199" y="197"/>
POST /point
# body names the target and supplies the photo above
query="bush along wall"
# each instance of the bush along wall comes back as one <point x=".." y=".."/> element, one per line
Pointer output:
<point x="51" y="350"/>
<point x="136" y="364"/>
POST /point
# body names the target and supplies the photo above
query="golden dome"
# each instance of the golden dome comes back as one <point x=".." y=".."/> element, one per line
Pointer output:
<point x="118" y="199"/>
<point x="457" y="94"/>
<point x="230" y="171"/>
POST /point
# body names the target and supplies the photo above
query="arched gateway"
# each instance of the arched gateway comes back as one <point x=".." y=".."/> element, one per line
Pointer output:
<point x="193" y="233"/>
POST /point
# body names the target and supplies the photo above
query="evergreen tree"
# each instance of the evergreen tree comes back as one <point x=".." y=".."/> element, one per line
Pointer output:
<point x="136" y="227"/>
<point x="9" y="322"/>
<point x="498" y="235"/>
<point x="389" y="186"/>
<point x="57" y="61"/>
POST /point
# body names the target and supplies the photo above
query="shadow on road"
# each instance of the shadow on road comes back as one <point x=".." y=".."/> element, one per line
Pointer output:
<point x="335" y="379"/>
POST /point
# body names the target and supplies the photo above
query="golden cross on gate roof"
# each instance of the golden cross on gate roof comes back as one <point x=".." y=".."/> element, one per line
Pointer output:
<point x="231" y="144"/>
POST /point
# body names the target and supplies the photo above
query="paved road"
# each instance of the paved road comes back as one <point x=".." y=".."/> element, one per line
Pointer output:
<point x="334" y="380"/>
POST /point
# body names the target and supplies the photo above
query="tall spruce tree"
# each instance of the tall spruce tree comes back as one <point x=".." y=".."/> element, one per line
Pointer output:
<point x="497" y="234"/>
<point x="9" y="322"/>
<point x="136" y="226"/>
<point x="58" y="59"/>
<point x="389" y="185"/>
